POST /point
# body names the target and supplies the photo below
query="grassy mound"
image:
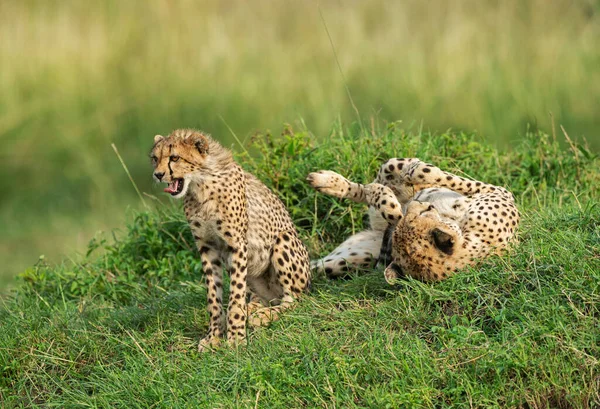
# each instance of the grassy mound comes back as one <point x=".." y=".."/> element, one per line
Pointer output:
<point x="522" y="330"/>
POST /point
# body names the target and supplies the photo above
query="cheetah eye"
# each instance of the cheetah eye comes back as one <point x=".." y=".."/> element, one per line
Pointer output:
<point x="154" y="159"/>
<point x="174" y="158"/>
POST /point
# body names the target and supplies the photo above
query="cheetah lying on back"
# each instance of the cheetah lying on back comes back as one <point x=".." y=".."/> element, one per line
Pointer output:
<point x="427" y="222"/>
<point x="236" y="222"/>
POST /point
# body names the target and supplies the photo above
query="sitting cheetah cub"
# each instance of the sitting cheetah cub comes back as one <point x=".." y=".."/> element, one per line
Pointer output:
<point x="238" y="223"/>
<point x="425" y="223"/>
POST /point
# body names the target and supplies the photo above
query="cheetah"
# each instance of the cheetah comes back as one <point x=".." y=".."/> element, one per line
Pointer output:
<point x="424" y="222"/>
<point x="237" y="224"/>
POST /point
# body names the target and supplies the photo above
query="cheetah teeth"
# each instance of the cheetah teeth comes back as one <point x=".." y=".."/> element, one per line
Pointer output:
<point x="174" y="187"/>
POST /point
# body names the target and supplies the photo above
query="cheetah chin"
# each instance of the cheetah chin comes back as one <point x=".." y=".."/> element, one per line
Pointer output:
<point x="178" y="187"/>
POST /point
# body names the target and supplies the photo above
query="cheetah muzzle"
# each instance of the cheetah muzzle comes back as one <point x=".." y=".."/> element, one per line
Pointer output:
<point x="175" y="187"/>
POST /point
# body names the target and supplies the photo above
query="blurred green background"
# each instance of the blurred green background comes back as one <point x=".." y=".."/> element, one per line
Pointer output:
<point x="76" y="76"/>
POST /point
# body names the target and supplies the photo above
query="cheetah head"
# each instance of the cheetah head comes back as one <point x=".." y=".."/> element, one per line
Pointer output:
<point x="425" y="245"/>
<point x="178" y="158"/>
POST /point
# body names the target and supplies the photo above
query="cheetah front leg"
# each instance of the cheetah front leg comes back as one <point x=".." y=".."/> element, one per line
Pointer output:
<point x="378" y="196"/>
<point x="290" y="263"/>
<point x="211" y="265"/>
<point x="236" y="311"/>
<point x="334" y="184"/>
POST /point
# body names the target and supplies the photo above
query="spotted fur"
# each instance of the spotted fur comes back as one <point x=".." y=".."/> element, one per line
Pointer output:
<point x="238" y="224"/>
<point x="425" y="223"/>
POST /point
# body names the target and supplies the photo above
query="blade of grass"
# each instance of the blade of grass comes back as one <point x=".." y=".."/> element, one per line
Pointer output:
<point x="129" y="175"/>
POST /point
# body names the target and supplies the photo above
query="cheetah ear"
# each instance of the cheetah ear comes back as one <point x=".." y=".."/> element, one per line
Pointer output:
<point x="200" y="142"/>
<point x="158" y="138"/>
<point x="443" y="241"/>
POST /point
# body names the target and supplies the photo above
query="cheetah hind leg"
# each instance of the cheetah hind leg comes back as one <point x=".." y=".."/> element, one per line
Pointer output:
<point x="359" y="250"/>
<point x="291" y="267"/>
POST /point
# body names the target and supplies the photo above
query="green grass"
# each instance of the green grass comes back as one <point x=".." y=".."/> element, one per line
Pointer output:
<point x="120" y="329"/>
<point x="77" y="76"/>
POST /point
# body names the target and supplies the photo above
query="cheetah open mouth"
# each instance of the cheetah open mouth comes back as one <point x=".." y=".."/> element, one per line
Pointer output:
<point x="175" y="187"/>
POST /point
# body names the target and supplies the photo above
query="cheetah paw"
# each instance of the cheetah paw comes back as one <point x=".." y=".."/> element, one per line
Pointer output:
<point x="261" y="318"/>
<point x="236" y="342"/>
<point x="328" y="182"/>
<point x="209" y="343"/>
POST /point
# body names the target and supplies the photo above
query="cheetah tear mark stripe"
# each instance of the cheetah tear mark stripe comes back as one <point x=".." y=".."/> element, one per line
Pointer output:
<point x="169" y="164"/>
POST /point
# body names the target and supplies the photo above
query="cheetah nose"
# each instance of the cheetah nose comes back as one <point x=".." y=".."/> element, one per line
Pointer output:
<point x="159" y="175"/>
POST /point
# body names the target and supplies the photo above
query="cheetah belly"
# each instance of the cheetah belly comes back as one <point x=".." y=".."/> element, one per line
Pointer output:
<point x="263" y="228"/>
<point x="258" y="256"/>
